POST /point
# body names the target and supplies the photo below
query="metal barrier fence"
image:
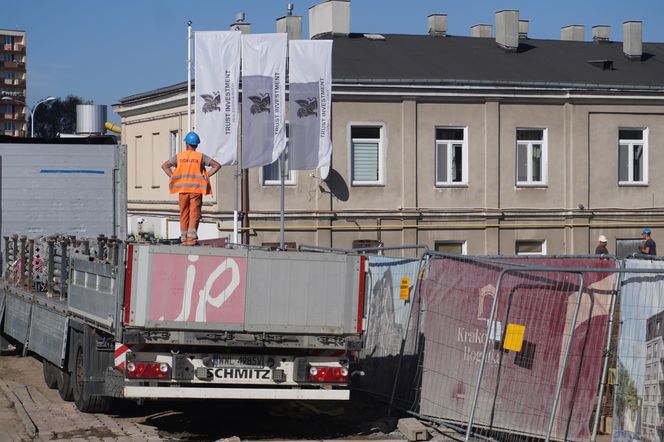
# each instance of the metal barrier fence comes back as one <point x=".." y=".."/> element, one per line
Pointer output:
<point x="390" y="342"/>
<point x="638" y="380"/>
<point x="547" y="341"/>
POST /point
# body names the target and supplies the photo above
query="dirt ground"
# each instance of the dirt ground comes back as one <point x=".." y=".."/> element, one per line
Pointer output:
<point x="48" y="417"/>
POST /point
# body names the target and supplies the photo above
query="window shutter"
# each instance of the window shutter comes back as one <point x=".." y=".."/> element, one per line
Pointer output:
<point x="365" y="161"/>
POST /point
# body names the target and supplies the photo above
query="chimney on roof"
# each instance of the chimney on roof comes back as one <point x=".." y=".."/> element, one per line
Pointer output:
<point x="523" y="29"/>
<point x="240" y="24"/>
<point x="481" y="30"/>
<point x="633" y="39"/>
<point x="290" y="24"/>
<point x="329" y="17"/>
<point x="437" y="25"/>
<point x="601" y="33"/>
<point x="507" y="29"/>
<point x="572" y="33"/>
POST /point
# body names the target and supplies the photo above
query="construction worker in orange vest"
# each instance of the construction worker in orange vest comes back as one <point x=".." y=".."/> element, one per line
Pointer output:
<point x="191" y="180"/>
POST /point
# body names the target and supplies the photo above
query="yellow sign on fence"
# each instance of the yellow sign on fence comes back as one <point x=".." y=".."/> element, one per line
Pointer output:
<point x="404" y="289"/>
<point x="514" y="337"/>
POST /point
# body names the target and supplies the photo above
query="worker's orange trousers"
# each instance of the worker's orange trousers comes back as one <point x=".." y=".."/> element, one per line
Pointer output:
<point x="190" y="214"/>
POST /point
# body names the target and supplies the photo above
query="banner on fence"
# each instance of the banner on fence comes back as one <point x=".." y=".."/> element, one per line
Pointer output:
<point x="520" y="377"/>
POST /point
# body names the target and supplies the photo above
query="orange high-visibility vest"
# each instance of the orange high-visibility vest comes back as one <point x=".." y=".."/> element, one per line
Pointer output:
<point x="189" y="175"/>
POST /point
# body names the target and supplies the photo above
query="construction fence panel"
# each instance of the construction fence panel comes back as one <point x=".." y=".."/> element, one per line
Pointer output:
<point x="390" y="341"/>
<point x="639" y="374"/>
<point x="527" y="343"/>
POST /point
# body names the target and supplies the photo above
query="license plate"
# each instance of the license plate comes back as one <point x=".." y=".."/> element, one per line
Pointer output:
<point x="238" y="361"/>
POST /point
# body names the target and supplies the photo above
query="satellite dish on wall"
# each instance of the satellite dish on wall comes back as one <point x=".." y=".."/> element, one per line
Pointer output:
<point x="324" y="172"/>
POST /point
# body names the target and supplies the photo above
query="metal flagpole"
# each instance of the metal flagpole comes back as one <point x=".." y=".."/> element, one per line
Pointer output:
<point x="236" y="173"/>
<point x="282" y="173"/>
<point x="189" y="76"/>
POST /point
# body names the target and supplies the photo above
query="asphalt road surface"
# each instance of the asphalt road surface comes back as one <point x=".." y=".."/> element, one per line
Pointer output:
<point x="29" y="410"/>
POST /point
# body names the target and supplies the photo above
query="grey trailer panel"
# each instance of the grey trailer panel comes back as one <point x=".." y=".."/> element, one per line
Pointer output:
<point x="298" y="292"/>
<point x="17" y="318"/>
<point x="47" y="333"/>
<point x="168" y="283"/>
<point x="91" y="291"/>
<point x="60" y="188"/>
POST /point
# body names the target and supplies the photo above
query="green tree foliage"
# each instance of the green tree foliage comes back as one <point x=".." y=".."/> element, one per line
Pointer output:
<point x="56" y="117"/>
<point x="627" y="398"/>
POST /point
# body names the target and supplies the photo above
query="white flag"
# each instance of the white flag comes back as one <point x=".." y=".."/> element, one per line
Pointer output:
<point x="263" y="98"/>
<point x="217" y="92"/>
<point x="310" y="104"/>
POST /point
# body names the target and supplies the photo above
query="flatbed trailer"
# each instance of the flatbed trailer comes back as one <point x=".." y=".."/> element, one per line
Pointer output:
<point x="111" y="319"/>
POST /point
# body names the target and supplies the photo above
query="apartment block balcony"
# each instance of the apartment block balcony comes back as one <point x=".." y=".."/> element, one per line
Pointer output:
<point x="19" y="82"/>
<point x="16" y="48"/>
<point x="13" y="65"/>
<point x="15" y="116"/>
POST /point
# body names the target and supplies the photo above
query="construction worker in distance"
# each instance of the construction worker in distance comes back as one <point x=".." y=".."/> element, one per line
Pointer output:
<point x="649" y="247"/>
<point x="601" y="246"/>
<point x="191" y="180"/>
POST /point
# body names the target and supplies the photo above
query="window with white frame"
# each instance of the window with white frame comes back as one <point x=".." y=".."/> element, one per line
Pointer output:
<point x="366" y="154"/>
<point x="530" y="247"/>
<point x="272" y="172"/>
<point x="174" y="142"/>
<point x="531" y="157"/>
<point x="451" y="156"/>
<point x="632" y="156"/>
<point x="451" y="247"/>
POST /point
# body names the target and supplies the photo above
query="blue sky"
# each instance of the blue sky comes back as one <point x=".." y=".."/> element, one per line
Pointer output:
<point x="106" y="51"/>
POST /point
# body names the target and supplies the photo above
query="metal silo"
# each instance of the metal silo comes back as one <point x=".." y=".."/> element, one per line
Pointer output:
<point x="90" y="119"/>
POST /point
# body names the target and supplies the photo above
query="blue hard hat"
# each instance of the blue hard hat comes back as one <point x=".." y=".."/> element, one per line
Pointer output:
<point x="192" y="138"/>
<point x="645" y="231"/>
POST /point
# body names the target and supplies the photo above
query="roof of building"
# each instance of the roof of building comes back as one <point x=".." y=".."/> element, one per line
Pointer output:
<point x="417" y="59"/>
<point x="393" y="59"/>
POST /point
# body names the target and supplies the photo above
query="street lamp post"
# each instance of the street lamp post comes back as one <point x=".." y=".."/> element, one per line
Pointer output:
<point x="32" y="114"/>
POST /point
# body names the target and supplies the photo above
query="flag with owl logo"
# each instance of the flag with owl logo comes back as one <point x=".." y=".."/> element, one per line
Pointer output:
<point x="217" y="94"/>
<point x="310" y="104"/>
<point x="263" y="98"/>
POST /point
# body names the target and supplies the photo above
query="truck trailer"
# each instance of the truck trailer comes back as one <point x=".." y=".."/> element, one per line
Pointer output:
<point x="115" y="319"/>
<point x="111" y="318"/>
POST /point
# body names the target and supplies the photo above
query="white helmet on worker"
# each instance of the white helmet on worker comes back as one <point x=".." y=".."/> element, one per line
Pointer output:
<point x="602" y="238"/>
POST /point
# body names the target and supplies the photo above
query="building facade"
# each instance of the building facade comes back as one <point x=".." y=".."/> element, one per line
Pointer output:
<point x="477" y="145"/>
<point x="13" y="109"/>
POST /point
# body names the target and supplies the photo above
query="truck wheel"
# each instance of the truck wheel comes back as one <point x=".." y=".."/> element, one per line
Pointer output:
<point x="86" y="402"/>
<point x="50" y="374"/>
<point x="64" y="385"/>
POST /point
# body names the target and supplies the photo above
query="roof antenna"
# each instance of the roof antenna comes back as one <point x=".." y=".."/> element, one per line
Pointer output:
<point x="290" y="9"/>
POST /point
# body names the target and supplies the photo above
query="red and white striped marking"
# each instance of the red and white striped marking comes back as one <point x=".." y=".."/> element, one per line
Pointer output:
<point x="120" y="352"/>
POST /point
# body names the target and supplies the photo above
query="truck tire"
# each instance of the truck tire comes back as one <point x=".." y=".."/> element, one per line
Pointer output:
<point x="86" y="402"/>
<point x="64" y="385"/>
<point x="50" y="374"/>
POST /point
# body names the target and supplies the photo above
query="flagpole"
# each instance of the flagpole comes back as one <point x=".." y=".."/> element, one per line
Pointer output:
<point x="282" y="173"/>
<point x="189" y="76"/>
<point x="236" y="173"/>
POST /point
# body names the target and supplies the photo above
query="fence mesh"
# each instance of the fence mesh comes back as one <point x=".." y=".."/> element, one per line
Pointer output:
<point x="638" y="380"/>
<point x="390" y="342"/>
<point x="527" y="343"/>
